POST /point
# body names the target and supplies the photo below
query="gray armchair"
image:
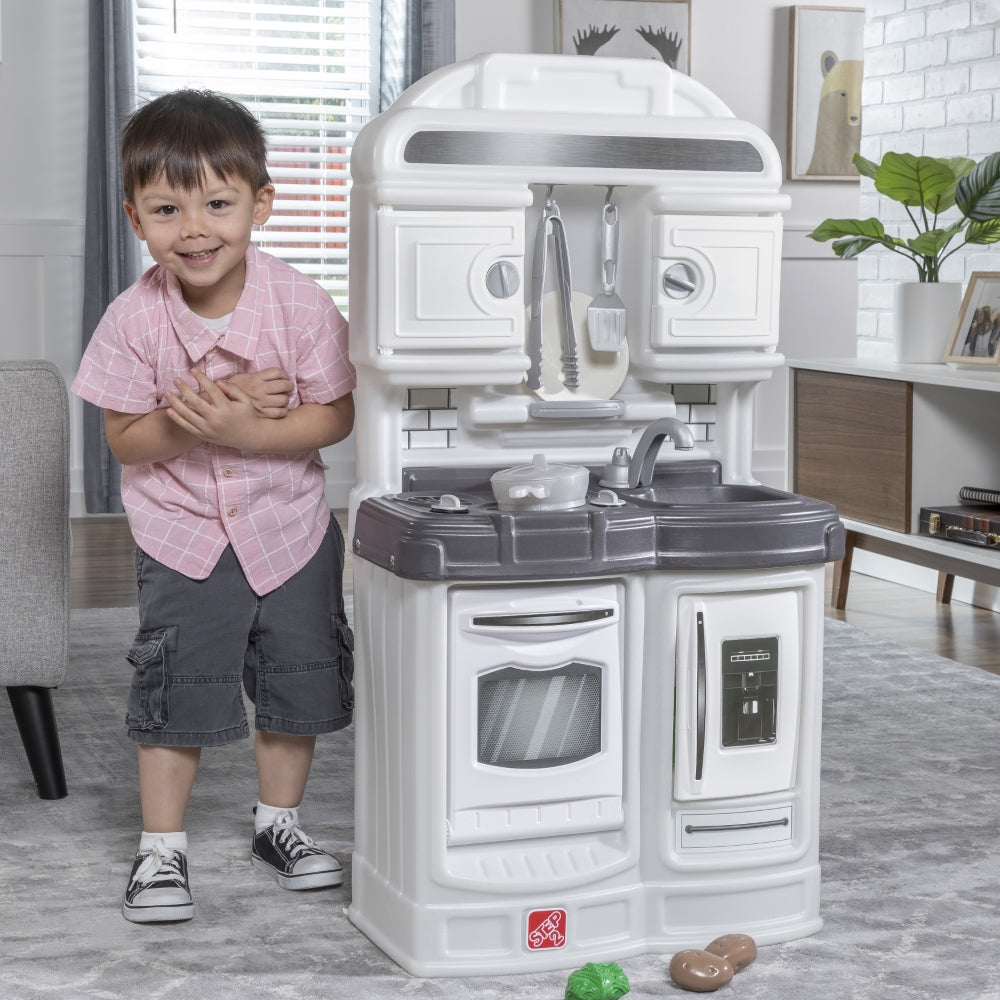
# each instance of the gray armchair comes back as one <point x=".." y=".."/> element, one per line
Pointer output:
<point x="34" y="558"/>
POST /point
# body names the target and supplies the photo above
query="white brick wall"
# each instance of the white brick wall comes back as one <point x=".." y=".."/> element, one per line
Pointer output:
<point x="932" y="86"/>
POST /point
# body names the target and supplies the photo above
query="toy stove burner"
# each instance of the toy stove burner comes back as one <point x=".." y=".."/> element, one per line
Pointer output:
<point x="442" y="503"/>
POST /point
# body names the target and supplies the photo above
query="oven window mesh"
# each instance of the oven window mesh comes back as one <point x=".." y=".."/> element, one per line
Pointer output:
<point x="534" y="719"/>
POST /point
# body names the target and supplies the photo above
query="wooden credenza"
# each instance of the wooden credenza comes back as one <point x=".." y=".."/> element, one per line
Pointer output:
<point x="880" y="440"/>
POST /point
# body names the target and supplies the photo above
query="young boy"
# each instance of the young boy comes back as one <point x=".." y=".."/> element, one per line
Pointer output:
<point x="222" y="371"/>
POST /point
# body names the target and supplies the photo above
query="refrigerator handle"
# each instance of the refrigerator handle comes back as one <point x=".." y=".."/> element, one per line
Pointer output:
<point x="702" y="708"/>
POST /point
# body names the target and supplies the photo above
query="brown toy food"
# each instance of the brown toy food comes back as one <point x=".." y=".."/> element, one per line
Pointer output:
<point x="700" y="971"/>
<point x="739" y="950"/>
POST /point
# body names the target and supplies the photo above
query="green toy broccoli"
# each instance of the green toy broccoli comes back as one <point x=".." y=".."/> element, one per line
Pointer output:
<point x="597" y="982"/>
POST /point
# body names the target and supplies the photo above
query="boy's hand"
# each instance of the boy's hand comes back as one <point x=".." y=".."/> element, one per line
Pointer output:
<point x="269" y="390"/>
<point x="222" y="413"/>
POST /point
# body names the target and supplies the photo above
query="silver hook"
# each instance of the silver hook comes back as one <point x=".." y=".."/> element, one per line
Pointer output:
<point x="607" y="197"/>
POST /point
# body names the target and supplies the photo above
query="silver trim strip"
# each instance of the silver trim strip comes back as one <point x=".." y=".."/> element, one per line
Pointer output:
<point x="611" y="152"/>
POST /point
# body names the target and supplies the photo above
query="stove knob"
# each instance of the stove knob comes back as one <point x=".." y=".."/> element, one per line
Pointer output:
<point x="607" y="498"/>
<point x="680" y="281"/>
<point x="448" y="503"/>
<point x="502" y="279"/>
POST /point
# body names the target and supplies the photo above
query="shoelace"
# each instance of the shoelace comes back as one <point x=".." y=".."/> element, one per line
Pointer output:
<point x="290" y="836"/>
<point x="160" y="865"/>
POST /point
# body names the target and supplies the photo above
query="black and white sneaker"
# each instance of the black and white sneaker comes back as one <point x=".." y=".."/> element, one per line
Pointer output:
<point x="158" y="887"/>
<point x="293" y="858"/>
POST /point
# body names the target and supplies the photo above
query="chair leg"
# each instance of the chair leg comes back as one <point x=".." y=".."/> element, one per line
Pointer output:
<point x="36" y="722"/>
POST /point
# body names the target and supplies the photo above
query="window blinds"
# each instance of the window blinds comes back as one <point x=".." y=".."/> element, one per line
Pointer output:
<point x="305" y="68"/>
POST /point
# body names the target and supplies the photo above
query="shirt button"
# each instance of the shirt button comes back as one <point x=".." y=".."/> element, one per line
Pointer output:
<point x="233" y="511"/>
<point x="228" y="473"/>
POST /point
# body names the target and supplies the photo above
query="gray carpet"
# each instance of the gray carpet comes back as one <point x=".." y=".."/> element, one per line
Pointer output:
<point x="910" y="850"/>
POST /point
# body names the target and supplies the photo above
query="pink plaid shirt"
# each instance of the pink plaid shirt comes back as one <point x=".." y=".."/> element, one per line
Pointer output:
<point x="185" y="511"/>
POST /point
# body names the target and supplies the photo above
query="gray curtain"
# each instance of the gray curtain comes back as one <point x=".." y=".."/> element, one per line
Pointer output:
<point x="111" y="254"/>
<point x="418" y="36"/>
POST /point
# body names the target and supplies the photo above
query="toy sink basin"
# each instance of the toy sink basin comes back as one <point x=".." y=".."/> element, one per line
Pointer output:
<point x="671" y="495"/>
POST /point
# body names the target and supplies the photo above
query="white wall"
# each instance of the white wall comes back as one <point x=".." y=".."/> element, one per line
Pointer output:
<point x="43" y="112"/>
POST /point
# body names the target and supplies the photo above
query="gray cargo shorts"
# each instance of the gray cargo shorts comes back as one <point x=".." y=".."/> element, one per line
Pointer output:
<point x="202" y="643"/>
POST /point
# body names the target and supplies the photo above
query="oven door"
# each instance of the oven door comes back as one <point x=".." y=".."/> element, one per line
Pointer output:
<point x="535" y="712"/>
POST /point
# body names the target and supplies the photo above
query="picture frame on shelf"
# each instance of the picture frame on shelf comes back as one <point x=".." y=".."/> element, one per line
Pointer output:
<point x="641" y="29"/>
<point x="975" y="340"/>
<point x="826" y="64"/>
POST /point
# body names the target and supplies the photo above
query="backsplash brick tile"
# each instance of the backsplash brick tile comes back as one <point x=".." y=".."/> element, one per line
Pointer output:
<point x="430" y="418"/>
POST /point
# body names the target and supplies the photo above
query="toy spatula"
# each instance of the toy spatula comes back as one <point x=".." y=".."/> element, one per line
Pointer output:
<point x="606" y="315"/>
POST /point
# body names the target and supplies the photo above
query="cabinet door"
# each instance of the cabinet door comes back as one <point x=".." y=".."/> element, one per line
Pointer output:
<point x="728" y="293"/>
<point x="435" y="284"/>
<point x="852" y="445"/>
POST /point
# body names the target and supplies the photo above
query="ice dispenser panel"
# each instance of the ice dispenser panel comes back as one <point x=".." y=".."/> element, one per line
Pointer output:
<point x="749" y="691"/>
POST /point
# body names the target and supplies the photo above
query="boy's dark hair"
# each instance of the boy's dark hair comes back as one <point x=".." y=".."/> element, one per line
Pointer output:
<point x="181" y="134"/>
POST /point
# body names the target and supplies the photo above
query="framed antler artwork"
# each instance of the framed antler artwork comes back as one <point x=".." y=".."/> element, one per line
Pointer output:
<point x="642" y="29"/>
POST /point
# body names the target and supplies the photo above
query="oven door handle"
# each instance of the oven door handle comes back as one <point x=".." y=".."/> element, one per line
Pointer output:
<point x="543" y="619"/>
<point x="699" y="761"/>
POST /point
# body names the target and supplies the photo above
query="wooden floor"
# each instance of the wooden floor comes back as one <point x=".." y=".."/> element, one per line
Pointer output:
<point x="103" y="575"/>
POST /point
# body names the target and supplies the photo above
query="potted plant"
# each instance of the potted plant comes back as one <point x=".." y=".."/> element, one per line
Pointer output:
<point x="928" y="187"/>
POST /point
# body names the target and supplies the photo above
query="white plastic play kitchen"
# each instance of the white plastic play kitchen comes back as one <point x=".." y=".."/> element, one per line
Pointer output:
<point x="589" y="646"/>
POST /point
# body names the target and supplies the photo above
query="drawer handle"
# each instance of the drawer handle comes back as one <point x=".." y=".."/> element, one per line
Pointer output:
<point x="764" y="824"/>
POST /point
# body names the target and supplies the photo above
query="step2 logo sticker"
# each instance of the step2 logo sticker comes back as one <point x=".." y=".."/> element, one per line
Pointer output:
<point x="546" y="929"/>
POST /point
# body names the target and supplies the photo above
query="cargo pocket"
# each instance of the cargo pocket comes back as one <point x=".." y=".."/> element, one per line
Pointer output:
<point x="148" y="702"/>
<point x="345" y="638"/>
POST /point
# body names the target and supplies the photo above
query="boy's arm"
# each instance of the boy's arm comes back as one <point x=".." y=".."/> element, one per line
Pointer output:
<point x="140" y="438"/>
<point x="223" y="414"/>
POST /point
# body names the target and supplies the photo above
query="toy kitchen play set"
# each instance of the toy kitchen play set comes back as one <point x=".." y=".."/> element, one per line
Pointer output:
<point x="589" y="646"/>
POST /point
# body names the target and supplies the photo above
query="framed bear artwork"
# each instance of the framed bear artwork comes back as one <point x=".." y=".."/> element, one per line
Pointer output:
<point x="824" y="108"/>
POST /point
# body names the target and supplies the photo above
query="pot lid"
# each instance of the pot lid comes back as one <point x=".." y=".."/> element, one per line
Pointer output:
<point x="538" y="479"/>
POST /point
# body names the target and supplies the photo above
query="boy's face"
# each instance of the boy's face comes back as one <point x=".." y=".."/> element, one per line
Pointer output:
<point x="201" y="236"/>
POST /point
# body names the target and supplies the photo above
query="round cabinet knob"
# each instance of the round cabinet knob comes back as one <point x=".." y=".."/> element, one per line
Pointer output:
<point x="680" y="281"/>
<point x="502" y="279"/>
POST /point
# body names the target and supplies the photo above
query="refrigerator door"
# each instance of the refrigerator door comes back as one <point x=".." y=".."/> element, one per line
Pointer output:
<point x="739" y="665"/>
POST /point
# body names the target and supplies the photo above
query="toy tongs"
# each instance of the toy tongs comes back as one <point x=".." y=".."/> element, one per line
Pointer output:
<point x="552" y="223"/>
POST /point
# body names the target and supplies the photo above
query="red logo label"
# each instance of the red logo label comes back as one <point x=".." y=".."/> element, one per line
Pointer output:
<point x="546" y="929"/>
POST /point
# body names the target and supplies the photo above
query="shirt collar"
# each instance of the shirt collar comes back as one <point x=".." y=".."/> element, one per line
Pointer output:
<point x="244" y="329"/>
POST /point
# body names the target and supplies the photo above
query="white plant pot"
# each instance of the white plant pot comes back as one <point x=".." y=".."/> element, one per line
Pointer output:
<point x="923" y="319"/>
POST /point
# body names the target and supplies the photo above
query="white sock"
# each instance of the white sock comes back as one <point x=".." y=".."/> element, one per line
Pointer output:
<point x="173" y="841"/>
<point x="264" y="816"/>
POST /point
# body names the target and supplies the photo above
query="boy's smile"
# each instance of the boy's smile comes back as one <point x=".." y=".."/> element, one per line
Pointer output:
<point x="201" y="236"/>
